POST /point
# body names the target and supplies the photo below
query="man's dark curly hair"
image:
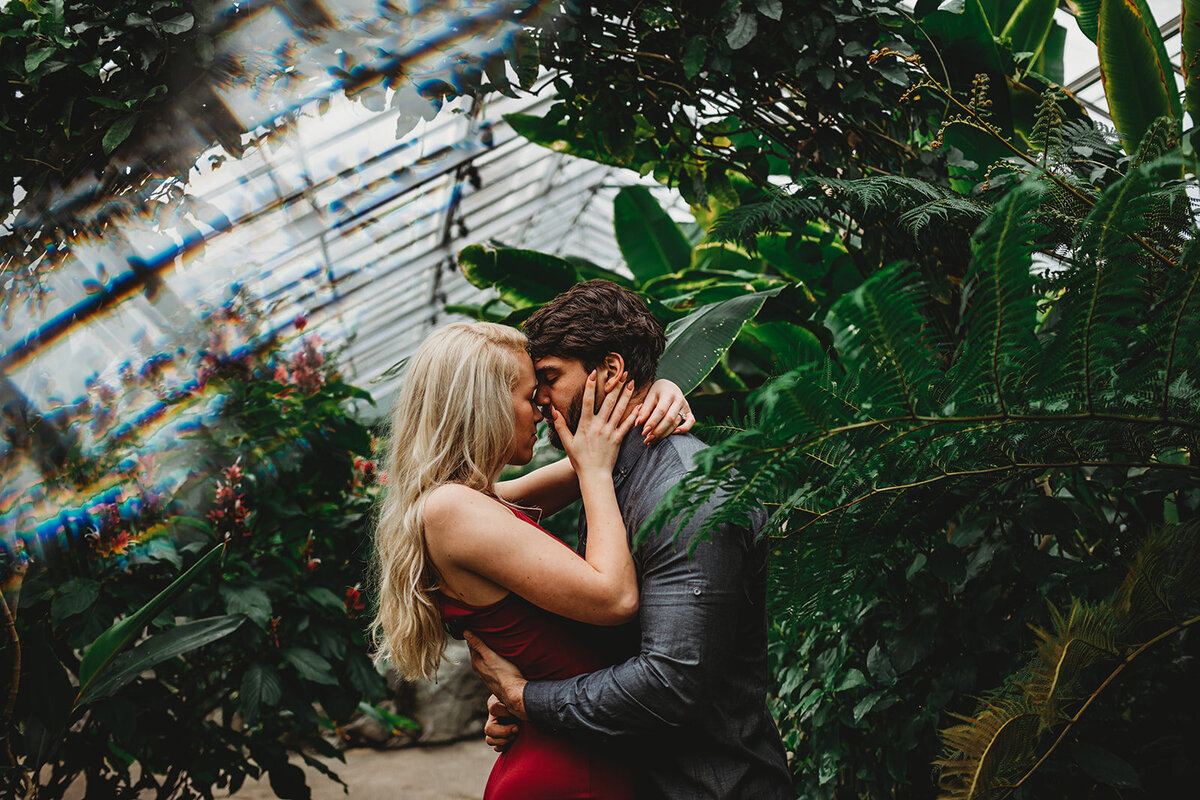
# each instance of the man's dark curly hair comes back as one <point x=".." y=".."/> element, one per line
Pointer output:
<point x="595" y="318"/>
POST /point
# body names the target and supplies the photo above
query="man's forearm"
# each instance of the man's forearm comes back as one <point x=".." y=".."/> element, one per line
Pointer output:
<point x="641" y="696"/>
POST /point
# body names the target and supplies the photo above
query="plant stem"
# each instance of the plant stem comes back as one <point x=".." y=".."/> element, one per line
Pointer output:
<point x="1112" y="676"/>
<point x="10" y="702"/>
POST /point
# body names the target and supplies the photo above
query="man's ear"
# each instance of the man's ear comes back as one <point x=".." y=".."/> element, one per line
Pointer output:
<point x="613" y="364"/>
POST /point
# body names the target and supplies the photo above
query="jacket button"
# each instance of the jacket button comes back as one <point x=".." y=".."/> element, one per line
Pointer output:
<point x="696" y="591"/>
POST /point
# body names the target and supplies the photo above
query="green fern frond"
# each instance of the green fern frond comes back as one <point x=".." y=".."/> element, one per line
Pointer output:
<point x="880" y="330"/>
<point x="1001" y="308"/>
<point x="1047" y="134"/>
<point x="864" y="196"/>
<point x="786" y="205"/>
<point x="952" y="210"/>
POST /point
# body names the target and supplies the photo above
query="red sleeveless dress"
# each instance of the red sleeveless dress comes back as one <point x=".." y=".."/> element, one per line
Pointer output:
<point x="545" y="646"/>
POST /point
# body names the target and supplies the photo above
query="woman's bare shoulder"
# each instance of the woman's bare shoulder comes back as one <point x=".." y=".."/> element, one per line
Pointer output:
<point x="451" y="503"/>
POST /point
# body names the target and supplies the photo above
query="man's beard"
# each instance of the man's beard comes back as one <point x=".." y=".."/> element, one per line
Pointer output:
<point x="573" y="415"/>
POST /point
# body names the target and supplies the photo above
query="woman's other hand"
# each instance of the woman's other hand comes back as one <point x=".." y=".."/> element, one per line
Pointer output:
<point x="663" y="412"/>
<point x="594" y="446"/>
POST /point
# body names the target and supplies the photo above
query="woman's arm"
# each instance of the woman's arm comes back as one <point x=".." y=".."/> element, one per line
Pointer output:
<point x="475" y="533"/>
<point x="550" y="488"/>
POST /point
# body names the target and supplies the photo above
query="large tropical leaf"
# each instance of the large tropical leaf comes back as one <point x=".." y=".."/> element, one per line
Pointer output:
<point x="1087" y="14"/>
<point x="174" y="642"/>
<point x="110" y="643"/>
<point x="962" y="28"/>
<point x="1189" y="26"/>
<point x="696" y="343"/>
<point x="523" y="277"/>
<point x="1029" y="26"/>
<point x="1137" y="77"/>
<point x="1049" y="62"/>
<point x="650" y="241"/>
<point x="557" y="137"/>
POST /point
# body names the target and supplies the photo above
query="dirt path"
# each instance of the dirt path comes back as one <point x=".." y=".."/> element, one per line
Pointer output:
<point x="444" y="772"/>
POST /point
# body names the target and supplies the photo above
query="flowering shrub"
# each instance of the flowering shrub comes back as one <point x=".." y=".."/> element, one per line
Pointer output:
<point x="274" y="464"/>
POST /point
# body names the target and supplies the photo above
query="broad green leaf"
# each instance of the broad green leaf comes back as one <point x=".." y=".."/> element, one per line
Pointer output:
<point x="117" y="638"/>
<point x="962" y="28"/>
<point x="523" y="277"/>
<point x="179" y="24"/>
<point x="311" y="666"/>
<point x="1049" y="62"/>
<point x="725" y="256"/>
<point x="525" y="58"/>
<point x="362" y="675"/>
<point x="261" y="685"/>
<point x="998" y="12"/>
<point x="588" y="270"/>
<point x="772" y="9"/>
<point x="35" y="57"/>
<point x="156" y="649"/>
<point x="693" y="55"/>
<point x="743" y="31"/>
<point x="1189" y="26"/>
<point x="1029" y="26"/>
<point x="118" y="132"/>
<point x="72" y="597"/>
<point x="864" y="706"/>
<point x="494" y="66"/>
<point x="852" y="679"/>
<point x="696" y="343"/>
<point x="1137" y="77"/>
<point x="249" y="600"/>
<point x="325" y="597"/>
<point x="1105" y="766"/>
<point x="1088" y="15"/>
<point x="556" y="137"/>
<point x="650" y="241"/>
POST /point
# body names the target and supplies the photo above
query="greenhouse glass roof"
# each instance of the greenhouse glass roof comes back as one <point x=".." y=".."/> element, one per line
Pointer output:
<point x="342" y="216"/>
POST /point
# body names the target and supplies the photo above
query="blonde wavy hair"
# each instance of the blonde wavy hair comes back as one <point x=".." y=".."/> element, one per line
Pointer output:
<point x="452" y="423"/>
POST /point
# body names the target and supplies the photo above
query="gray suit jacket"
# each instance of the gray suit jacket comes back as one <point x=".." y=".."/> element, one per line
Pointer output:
<point x="692" y="705"/>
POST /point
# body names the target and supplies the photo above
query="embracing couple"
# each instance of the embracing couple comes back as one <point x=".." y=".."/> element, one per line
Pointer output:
<point x="617" y="674"/>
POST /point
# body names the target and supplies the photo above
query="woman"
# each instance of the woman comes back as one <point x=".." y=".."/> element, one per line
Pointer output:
<point x="454" y="547"/>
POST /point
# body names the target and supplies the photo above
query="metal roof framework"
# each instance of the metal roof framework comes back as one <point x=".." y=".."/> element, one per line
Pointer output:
<point x="352" y="217"/>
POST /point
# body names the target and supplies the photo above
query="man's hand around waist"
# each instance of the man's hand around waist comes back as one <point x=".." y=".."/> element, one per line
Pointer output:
<point x="503" y="679"/>
<point x="501" y="728"/>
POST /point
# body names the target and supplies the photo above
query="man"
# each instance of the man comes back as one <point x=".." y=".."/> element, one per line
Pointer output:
<point x="692" y="703"/>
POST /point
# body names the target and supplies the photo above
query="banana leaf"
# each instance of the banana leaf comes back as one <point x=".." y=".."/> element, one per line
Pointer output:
<point x="961" y="31"/>
<point x="523" y="277"/>
<point x="650" y="241"/>
<point x="1137" y="77"/>
<point x="1087" y="15"/>
<point x="1029" y="26"/>
<point x="1189" y="26"/>
<point x="696" y="343"/>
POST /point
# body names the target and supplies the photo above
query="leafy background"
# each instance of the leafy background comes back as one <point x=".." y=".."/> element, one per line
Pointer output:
<point x="936" y="318"/>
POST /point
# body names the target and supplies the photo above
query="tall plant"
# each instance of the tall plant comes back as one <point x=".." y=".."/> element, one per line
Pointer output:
<point x="260" y="657"/>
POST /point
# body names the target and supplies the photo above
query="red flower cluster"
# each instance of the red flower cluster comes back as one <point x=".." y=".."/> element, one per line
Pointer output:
<point x="307" y="558"/>
<point x="229" y="512"/>
<point x="306" y="366"/>
<point x="364" y="471"/>
<point x="107" y="538"/>
<point x="354" y="602"/>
